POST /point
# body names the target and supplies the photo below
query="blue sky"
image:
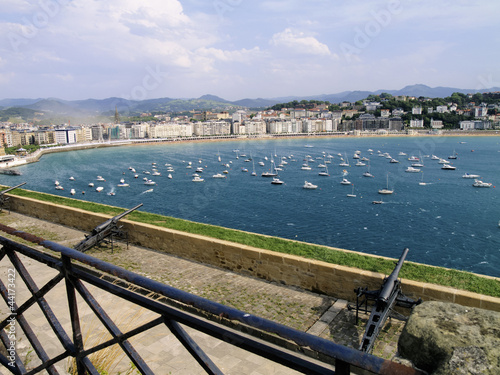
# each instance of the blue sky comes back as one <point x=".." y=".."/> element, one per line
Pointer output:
<point x="142" y="49"/>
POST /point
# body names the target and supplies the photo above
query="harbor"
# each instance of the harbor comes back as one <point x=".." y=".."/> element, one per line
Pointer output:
<point x="424" y="205"/>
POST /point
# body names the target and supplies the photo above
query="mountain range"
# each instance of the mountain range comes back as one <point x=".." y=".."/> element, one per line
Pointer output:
<point x="106" y="107"/>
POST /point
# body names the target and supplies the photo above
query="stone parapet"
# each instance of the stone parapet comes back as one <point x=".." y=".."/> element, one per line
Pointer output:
<point x="317" y="276"/>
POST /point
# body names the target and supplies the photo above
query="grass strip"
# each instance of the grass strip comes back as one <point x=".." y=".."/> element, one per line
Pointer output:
<point x="411" y="271"/>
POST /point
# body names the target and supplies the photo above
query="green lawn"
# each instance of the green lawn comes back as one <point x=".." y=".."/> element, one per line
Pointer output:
<point x="412" y="271"/>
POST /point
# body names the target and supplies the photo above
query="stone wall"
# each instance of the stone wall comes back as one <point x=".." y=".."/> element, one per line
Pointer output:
<point x="330" y="279"/>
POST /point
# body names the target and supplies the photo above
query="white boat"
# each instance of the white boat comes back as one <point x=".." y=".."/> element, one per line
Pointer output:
<point x="245" y="169"/>
<point x="156" y="173"/>
<point x="386" y="190"/>
<point x="261" y="163"/>
<point x="422" y="183"/>
<point x="479" y="183"/>
<point x="199" y="170"/>
<point x="100" y="178"/>
<point x="324" y="172"/>
<point x="305" y="168"/>
<point x="402" y="153"/>
<point x="377" y="202"/>
<point x="448" y="167"/>
<point x="225" y="171"/>
<point x="434" y="157"/>
<point x="148" y="191"/>
<point x="72" y="191"/>
<point x="443" y="161"/>
<point x="367" y="173"/>
<point x="345" y="181"/>
<point x="122" y="183"/>
<point x="99" y="189"/>
<point x="59" y="187"/>
<point x="91" y="184"/>
<point x="468" y="175"/>
<point x="276" y="181"/>
<point x="72" y="178"/>
<point x="149" y="182"/>
<point x="359" y="163"/>
<point x="352" y="195"/>
<point x="219" y="175"/>
<point x="394" y="161"/>
<point x="271" y="173"/>
<point x="197" y="179"/>
<point x="453" y="156"/>
<point x="345" y="162"/>
<point x="412" y="170"/>
<point x="169" y="176"/>
<point x="413" y="158"/>
<point x="136" y="176"/>
<point x="56" y="183"/>
<point x="309" y="185"/>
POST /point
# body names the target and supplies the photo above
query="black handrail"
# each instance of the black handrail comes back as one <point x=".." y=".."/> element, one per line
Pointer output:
<point x="172" y="317"/>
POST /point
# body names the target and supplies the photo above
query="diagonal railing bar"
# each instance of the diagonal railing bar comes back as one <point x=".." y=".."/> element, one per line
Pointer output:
<point x="147" y="326"/>
<point x="42" y="302"/>
<point x="201" y="357"/>
<point x="49" y="363"/>
<point x="33" y="299"/>
<point x="30" y="335"/>
<point x="322" y="347"/>
<point x="111" y="326"/>
<point x="18" y="367"/>
<point x="235" y="338"/>
<point x="75" y="320"/>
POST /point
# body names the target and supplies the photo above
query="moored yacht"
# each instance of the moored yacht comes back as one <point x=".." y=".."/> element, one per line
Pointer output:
<point x="309" y="185"/>
<point x="479" y="183"/>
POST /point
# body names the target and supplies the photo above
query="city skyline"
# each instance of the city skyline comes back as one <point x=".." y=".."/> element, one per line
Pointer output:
<point x="79" y="49"/>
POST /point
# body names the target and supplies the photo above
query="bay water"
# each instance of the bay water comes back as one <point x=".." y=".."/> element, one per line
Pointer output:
<point x="446" y="222"/>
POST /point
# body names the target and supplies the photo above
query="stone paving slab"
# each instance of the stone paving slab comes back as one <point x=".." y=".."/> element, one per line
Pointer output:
<point x="290" y="306"/>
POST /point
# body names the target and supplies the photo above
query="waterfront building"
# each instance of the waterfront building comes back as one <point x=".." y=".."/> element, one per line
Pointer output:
<point x="416" y="123"/>
<point x="65" y="136"/>
<point x="436" y="124"/>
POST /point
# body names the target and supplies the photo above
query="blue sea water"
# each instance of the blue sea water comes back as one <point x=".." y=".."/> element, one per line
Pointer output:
<point x="445" y="223"/>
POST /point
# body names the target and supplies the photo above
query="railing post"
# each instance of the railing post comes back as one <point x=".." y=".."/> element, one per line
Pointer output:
<point x="73" y="312"/>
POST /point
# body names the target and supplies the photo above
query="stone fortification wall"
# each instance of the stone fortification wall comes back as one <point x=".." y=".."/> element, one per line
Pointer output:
<point x="330" y="279"/>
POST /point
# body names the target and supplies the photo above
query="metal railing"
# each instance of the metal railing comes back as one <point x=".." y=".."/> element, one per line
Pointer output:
<point x="73" y="268"/>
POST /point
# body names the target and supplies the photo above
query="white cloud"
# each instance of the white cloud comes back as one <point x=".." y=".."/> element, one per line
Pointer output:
<point x="299" y="43"/>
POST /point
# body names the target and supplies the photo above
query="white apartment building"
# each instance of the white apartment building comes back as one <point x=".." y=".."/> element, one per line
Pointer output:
<point x="65" y="136"/>
<point x="417" y="123"/>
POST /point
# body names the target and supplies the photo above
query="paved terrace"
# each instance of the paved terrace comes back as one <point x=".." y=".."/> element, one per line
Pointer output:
<point x="320" y="315"/>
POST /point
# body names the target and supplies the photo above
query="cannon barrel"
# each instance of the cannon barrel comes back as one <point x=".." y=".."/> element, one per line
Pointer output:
<point x="113" y="220"/>
<point x="391" y="282"/>
<point x="11" y="188"/>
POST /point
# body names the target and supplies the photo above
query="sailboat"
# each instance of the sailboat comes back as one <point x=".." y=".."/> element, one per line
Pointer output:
<point x="324" y="172"/>
<point x="272" y="172"/>
<point x="253" y="167"/>
<point x="422" y="183"/>
<point x="386" y="190"/>
<point x="367" y="173"/>
<point x="345" y="162"/>
<point x="352" y="195"/>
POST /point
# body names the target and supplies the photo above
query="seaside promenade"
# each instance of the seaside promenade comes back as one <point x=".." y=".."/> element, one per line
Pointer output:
<point x="317" y="314"/>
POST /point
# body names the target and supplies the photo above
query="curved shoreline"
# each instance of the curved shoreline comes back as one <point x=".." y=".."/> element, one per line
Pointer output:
<point x="134" y="142"/>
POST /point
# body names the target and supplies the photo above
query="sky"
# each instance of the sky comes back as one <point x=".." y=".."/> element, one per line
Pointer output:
<point x="236" y="49"/>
